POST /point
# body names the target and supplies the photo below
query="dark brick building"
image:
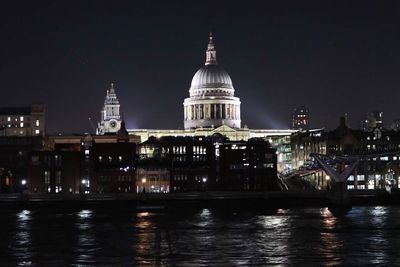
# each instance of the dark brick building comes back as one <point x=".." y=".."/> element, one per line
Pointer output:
<point x="247" y="166"/>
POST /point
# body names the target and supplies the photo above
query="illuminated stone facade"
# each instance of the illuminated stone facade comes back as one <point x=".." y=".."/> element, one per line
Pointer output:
<point x="212" y="102"/>
<point x="110" y="116"/>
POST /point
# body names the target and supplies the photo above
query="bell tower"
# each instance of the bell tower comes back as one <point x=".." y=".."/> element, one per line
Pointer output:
<point x="110" y="120"/>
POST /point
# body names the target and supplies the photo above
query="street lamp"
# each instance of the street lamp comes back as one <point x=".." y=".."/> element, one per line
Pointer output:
<point x="85" y="186"/>
<point x="328" y="179"/>
<point x="143" y="185"/>
<point x="204" y="180"/>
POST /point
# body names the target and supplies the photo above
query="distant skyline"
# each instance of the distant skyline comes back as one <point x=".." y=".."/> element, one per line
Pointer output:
<point x="334" y="57"/>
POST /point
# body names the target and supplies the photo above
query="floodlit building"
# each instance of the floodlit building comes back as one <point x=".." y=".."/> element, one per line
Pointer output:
<point x="212" y="108"/>
<point x="211" y="102"/>
<point x="110" y="121"/>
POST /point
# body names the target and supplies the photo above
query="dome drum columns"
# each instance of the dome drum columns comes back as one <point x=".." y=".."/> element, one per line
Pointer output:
<point x="212" y="111"/>
<point x="213" y="114"/>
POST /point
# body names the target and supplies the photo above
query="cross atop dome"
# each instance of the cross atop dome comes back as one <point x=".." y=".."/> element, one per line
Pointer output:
<point x="211" y="53"/>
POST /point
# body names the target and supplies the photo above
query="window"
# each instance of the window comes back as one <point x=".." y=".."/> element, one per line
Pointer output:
<point x="360" y="178"/>
<point x="21" y="124"/>
<point x="37" y="131"/>
<point x="21" y="118"/>
<point x="8" y="118"/>
<point x="47" y="178"/>
<point x="58" y="177"/>
<point x="351" y="178"/>
<point x="57" y="159"/>
<point x="179" y="149"/>
<point x="371" y="184"/>
<point x="350" y="187"/>
<point x="37" y="123"/>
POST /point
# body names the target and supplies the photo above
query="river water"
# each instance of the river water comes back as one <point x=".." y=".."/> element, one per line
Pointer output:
<point x="201" y="237"/>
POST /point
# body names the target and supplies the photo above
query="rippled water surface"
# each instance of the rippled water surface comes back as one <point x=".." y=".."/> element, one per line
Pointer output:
<point x="309" y="237"/>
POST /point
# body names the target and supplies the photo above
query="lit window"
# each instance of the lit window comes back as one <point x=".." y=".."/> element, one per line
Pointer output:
<point x="37" y="123"/>
<point x="9" y="119"/>
<point x="21" y="118"/>
<point x="87" y="152"/>
<point x="21" y="124"/>
<point x="37" y="131"/>
<point x="120" y="158"/>
<point x="371" y="184"/>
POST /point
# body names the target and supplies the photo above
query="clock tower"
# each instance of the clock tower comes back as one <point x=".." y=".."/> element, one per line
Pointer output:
<point x="110" y="121"/>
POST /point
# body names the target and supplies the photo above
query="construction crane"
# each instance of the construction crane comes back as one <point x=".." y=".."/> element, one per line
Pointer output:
<point x="92" y="125"/>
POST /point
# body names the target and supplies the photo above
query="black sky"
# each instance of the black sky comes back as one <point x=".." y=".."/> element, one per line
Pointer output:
<point x="335" y="57"/>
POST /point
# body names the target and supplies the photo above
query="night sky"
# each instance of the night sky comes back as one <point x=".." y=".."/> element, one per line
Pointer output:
<point x="335" y="57"/>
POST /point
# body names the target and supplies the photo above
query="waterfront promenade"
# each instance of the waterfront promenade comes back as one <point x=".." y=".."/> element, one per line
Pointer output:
<point x="278" y="199"/>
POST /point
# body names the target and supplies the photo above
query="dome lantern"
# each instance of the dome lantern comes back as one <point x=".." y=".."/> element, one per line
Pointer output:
<point x="211" y="53"/>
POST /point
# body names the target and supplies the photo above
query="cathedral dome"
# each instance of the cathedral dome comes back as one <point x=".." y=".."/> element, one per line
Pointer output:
<point x="211" y="76"/>
<point x="211" y="102"/>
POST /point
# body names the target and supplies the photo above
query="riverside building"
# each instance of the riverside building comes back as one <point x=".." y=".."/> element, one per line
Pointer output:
<point x="23" y="121"/>
<point x="382" y="172"/>
<point x="211" y="108"/>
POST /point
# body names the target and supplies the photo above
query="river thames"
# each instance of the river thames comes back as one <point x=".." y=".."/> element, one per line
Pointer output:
<point x="199" y="237"/>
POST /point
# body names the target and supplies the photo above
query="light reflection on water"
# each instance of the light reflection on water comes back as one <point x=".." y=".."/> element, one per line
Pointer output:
<point x="85" y="246"/>
<point x="331" y="245"/>
<point x="367" y="235"/>
<point x="21" y="242"/>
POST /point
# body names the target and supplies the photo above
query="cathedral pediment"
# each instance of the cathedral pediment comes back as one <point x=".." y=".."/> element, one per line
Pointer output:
<point x="224" y="129"/>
